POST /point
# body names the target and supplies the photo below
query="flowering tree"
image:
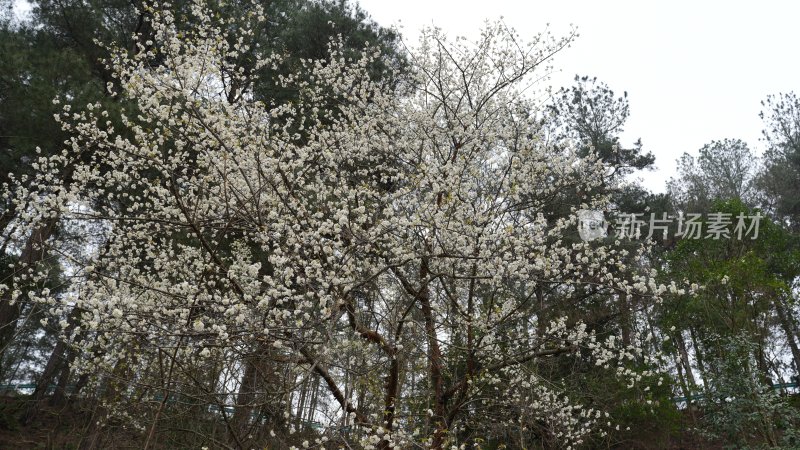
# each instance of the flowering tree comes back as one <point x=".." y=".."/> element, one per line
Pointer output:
<point x="394" y="245"/>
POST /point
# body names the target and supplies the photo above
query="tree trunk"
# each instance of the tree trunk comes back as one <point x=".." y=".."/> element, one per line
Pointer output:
<point x="54" y="363"/>
<point x="113" y="386"/>
<point x="60" y="394"/>
<point x="245" y="400"/>
<point x="699" y="357"/>
<point x="625" y="319"/>
<point x="32" y="253"/>
<point x="682" y="380"/>
<point x="60" y="359"/>
<point x="681" y="344"/>
<point x="790" y="332"/>
<point x="438" y="422"/>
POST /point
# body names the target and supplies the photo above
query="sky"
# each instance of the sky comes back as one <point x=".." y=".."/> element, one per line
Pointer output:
<point x="695" y="71"/>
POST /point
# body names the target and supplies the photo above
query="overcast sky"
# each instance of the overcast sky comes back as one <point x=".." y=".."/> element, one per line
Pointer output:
<point x="694" y="70"/>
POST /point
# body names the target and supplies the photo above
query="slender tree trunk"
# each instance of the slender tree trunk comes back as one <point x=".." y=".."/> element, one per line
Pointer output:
<point x="59" y="362"/>
<point x="60" y="394"/>
<point x="54" y="363"/>
<point x="790" y="332"/>
<point x="113" y="386"/>
<point x="698" y="354"/>
<point x="625" y="319"/>
<point x="79" y="385"/>
<point x="438" y="422"/>
<point x="681" y="345"/>
<point x="245" y="399"/>
<point x="348" y="392"/>
<point x="13" y="375"/>
<point x="6" y="217"/>
<point x="541" y="326"/>
<point x="298" y="421"/>
<point x="33" y="252"/>
<point x="312" y="405"/>
<point x="682" y="380"/>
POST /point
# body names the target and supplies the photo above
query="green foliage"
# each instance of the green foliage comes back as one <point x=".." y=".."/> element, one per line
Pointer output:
<point x="739" y="409"/>
<point x="35" y="69"/>
<point x="723" y="170"/>
<point x="780" y="177"/>
<point x="590" y="112"/>
<point x="739" y="283"/>
<point x="739" y="279"/>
